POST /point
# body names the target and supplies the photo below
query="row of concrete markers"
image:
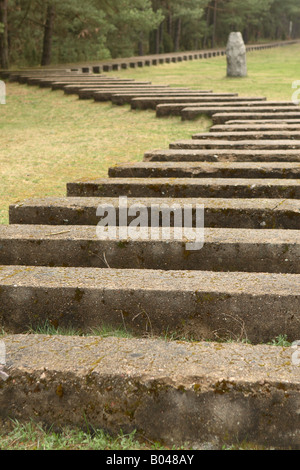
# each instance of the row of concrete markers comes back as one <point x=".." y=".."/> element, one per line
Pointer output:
<point x="242" y="285"/>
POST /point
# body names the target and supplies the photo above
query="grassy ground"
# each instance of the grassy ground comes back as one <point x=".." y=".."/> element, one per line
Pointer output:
<point x="32" y="436"/>
<point x="48" y="139"/>
<point x="106" y="331"/>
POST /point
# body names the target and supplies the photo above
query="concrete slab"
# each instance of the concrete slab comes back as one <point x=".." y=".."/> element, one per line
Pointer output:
<point x="250" y="135"/>
<point x="189" y="111"/>
<point x="241" y="144"/>
<point x="255" y="127"/>
<point x="152" y="103"/>
<point x="167" y="391"/>
<point x="199" y="304"/>
<point x="14" y="74"/>
<point x="219" y="212"/>
<point x="84" y="82"/>
<point x="35" y="79"/>
<point x="48" y="80"/>
<point x="221" y="117"/>
<point x="186" y="188"/>
<point x="89" y="93"/>
<point x="107" y="93"/>
<point x="60" y="85"/>
<point x="132" y="92"/>
<point x="222" y="155"/>
<point x="206" y="170"/>
<point x="259" y="122"/>
<point x="73" y="89"/>
<point x="236" y="250"/>
<point x="105" y="96"/>
<point x="114" y="82"/>
<point x="122" y="98"/>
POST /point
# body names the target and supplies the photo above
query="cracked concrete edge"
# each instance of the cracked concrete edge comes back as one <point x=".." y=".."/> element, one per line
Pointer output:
<point x="173" y="392"/>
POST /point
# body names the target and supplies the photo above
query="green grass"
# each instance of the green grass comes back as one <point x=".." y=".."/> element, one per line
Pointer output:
<point x="48" y="139"/>
<point x="281" y="341"/>
<point x="32" y="436"/>
<point x="104" y="331"/>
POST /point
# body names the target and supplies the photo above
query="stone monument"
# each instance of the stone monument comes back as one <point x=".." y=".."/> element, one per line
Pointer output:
<point x="236" y="56"/>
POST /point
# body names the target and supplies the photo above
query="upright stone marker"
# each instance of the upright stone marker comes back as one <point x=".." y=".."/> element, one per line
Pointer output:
<point x="236" y="56"/>
<point x="2" y="93"/>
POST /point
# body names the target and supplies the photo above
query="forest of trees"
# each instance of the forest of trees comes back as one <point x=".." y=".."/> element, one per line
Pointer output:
<point x="34" y="32"/>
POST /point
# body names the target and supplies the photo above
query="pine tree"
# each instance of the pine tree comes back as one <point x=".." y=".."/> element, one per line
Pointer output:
<point x="3" y="35"/>
<point x="36" y="32"/>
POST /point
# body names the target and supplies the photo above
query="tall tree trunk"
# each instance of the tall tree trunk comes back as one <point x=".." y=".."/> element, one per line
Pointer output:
<point x="157" y="40"/>
<point x="170" y="23"/>
<point x="161" y="37"/>
<point x="3" y="35"/>
<point x="204" y="43"/>
<point x="141" y="45"/>
<point x="48" y="35"/>
<point x="246" y="34"/>
<point x="178" y="35"/>
<point x="215" y="25"/>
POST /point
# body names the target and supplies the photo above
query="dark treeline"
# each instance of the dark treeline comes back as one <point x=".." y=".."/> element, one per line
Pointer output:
<point x="42" y="32"/>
